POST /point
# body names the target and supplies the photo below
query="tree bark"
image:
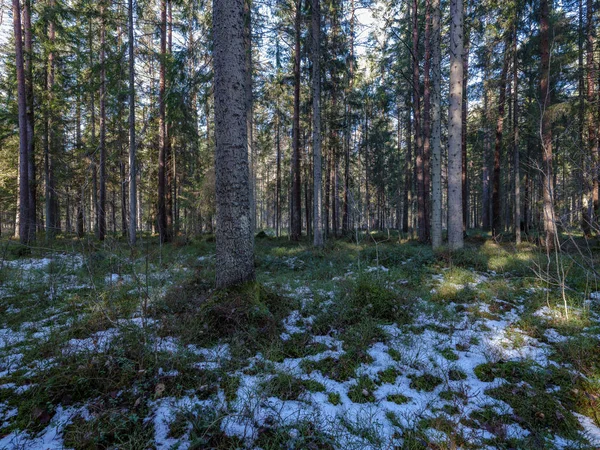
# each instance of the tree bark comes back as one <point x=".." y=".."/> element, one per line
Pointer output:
<point x="235" y="242"/>
<point x="28" y="43"/>
<point x="549" y="218"/>
<point x="316" y="137"/>
<point x="24" y="231"/>
<point x="162" y="130"/>
<point x="496" y="201"/>
<point x="102" y="200"/>
<point x="455" y="211"/>
<point x="427" y="122"/>
<point x="296" y="216"/>
<point x="516" y="158"/>
<point x="132" y="144"/>
<point x="421" y="226"/>
<point x="436" y="132"/>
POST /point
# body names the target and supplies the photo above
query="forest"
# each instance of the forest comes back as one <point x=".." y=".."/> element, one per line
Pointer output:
<point x="299" y="224"/>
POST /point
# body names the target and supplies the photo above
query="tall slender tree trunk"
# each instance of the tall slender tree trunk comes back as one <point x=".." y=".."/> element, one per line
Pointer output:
<point x="427" y="122"/>
<point x="250" y="100"/>
<point x="132" y="144"/>
<point x="348" y="121"/>
<point x="421" y="227"/>
<point x="235" y="241"/>
<point x="516" y="159"/>
<point x="455" y="211"/>
<point x="31" y="172"/>
<point x="592" y="124"/>
<point x="316" y="137"/>
<point x="102" y="202"/>
<point x="549" y="218"/>
<point x="162" y="130"/>
<point x="408" y="198"/>
<point x="296" y="216"/>
<point x="436" y="132"/>
<point x="496" y="201"/>
<point x="24" y="231"/>
<point x="49" y="135"/>
<point x="464" y="115"/>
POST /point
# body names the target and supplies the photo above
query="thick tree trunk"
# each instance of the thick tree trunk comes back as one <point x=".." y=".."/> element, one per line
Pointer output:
<point x="549" y="218"/>
<point x="316" y="137"/>
<point x="235" y="242"/>
<point x="455" y="211"/>
<point x="296" y="216"/>
<point x="24" y="224"/>
<point x="436" y="132"/>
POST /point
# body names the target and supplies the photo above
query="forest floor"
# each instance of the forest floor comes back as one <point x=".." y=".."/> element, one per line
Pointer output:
<point x="377" y="344"/>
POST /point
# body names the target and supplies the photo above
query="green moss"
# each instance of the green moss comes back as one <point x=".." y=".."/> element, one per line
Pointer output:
<point x="388" y="375"/>
<point x="334" y="398"/>
<point x="288" y="387"/>
<point x="456" y="375"/>
<point x="425" y="382"/>
<point x="362" y="392"/>
<point x="398" y="398"/>
<point x="449" y="354"/>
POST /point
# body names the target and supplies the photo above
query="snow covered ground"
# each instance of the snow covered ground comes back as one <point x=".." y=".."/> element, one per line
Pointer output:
<point x="434" y="379"/>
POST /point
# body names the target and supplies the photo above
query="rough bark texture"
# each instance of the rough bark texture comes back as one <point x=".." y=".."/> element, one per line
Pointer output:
<point x="436" y="131"/>
<point x="132" y="148"/>
<point x="24" y="232"/>
<point x="592" y="132"/>
<point x="496" y="202"/>
<point x="162" y="131"/>
<point x="421" y="226"/>
<point x="28" y="43"/>
<point x="427" y="122"/>
<point x="316" y="138"/>
<point x="455" y="207"/>
<point x="549" y="219"/>
<point x="296" y="214"/>
<point x="235" y="242"/>
<point x="516" y="159"/>
<point x="102" y="200"/>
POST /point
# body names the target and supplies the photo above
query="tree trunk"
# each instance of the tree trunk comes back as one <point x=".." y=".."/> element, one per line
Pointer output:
<point x="592" y="131"/>
<point x="162" y="130"/>
<point x="102" y="202"/>
<point x="455" y="211"/>
<point x="464" y="113"/>
<point x="316" y="137"/>
<point x="31" y="173"/>
<point x="132" y="145"/>
<point x="235" y="242"/>
<point x="496" y="209"/>
<point x="421" y="227"/>
<point x="24" y="231"/>
<point x="549" y="218"/>
<point x="436" y="132"/>
<point x="427" y="121"/>
<point x="296" y="216"/>
<point x="516" y="160"/>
